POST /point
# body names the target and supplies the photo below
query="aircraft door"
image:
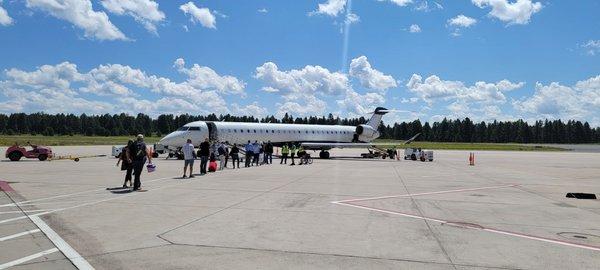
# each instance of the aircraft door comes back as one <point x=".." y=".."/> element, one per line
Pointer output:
<point x="213" y="134"/>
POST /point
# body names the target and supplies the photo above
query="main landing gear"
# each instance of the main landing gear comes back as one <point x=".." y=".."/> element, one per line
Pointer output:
<point x="323" y="154"/>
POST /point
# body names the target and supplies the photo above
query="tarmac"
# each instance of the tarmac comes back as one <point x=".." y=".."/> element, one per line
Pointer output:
<point x="509" y="211"/>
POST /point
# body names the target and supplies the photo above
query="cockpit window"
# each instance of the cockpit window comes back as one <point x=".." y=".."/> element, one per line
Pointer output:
<point x="183" y="129"/>
<point x="194" y="128"/>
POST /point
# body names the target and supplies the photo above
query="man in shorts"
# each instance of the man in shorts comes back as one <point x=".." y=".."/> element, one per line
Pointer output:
<point x="189" y="156"/>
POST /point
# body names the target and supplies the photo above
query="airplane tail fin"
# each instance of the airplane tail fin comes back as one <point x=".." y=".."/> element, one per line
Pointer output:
<point x="376" y="117"/>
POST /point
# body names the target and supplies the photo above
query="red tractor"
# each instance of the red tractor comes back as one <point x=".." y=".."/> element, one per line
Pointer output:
<point x="16" y="152"/>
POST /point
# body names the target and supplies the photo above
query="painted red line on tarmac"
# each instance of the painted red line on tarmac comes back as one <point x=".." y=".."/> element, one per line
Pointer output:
<point x="425" y="193"/>
<point x="5" y="186"/>
<point x="487" y="229"/>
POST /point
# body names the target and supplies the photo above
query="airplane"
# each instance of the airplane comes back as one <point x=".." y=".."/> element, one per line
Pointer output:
<point x="310" y="137"/>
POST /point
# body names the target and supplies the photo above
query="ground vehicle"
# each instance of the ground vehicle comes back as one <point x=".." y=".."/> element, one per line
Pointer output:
<point x="418" y="154"/>
<point x="16" y="152"/>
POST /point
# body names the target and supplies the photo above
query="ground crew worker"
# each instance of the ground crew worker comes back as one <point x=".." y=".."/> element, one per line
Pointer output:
<point x="301" y="154"/>
<point x="285" y="150"/>
<point x="293" y="153"/>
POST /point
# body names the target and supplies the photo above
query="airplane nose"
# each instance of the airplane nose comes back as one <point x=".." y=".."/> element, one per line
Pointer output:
<point x="169" y="139"/>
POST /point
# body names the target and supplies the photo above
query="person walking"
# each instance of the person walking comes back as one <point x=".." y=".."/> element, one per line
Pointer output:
<point x="293" y="153"/>
<point x="189" y="156"/>
<point x="204" y="154"/>
<point x="269" y="153"/>
<point x="126" y="163"/>
<point x="248" y="149"/>
<point x="234" y="153"/>
<point x="301" y="155"/>
<point x="285" y="150"/>
<point x="141" y="153"/>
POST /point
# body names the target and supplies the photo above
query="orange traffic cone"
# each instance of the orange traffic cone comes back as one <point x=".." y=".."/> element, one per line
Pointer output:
<point x="471" y="159"/>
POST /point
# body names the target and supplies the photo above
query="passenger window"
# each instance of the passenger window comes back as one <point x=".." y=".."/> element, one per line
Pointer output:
<point x="255" y="131"/>
<point x="272" y="131"/>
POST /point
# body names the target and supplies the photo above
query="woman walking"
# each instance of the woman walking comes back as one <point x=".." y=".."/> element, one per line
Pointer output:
<point x="126" y="164"/>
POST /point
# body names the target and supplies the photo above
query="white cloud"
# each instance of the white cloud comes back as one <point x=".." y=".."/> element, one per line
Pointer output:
<point x="5" y="20"/>
<point x="253" y="109"/>
<point x="199" y="15"/>
<point x="331" y="8"/>
<point x="144" y="11"/>
<point x="263" y="10"/>
<point x="307" y="81"/>
<point x="95" y="24"/>
<point x="351" y="18"/>
<point x="357" y="105"/>
<point x="592" y="47"/>
<point x="581" y="101"/>
<point x="62" y="88"/>
<point x="518" y="12"/>
<point x="415" y="28"/>
<point x="435" y="88"/>
<point x="206" y="78"/>
<point x="462" y="21"/>
<point x="369" y="77"/>
<point x="425" y="7"/>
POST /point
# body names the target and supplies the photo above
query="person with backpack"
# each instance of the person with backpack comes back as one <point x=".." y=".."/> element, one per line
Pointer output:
<point x="234" y="153"/>
<point x="189" y="156"/>
<point x="269" y="153"/>
<point x="285" y="150"/>
<point x="204" y="153"/>
<point x="126" y="162"/>
<point x="141" y="153"/>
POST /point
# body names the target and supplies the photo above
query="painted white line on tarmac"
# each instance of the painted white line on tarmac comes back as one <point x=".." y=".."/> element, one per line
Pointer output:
<point x="26" y="211"/>
<point x="28" y="258"/>
<point x="18" y="235"/>
<point x="492" y="230"/>
<point x="61" y="244"/>
<point x="72" y="194"/>
<point x="424" y="193"/>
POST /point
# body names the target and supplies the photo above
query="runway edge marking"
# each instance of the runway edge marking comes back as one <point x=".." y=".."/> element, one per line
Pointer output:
<point x="441" y="221"/>
<point x="2" y="239"/>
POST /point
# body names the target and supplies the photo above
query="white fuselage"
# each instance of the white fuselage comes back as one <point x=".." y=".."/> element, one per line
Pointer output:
<point x="241" y="133"/>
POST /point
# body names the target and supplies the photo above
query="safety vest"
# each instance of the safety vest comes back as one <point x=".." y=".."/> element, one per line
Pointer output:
<point x="293" y="149"/>
<point x="285" y="150"/>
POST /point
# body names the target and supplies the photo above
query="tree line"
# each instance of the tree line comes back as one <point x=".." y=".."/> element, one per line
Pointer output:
<point x="447" y="130"/>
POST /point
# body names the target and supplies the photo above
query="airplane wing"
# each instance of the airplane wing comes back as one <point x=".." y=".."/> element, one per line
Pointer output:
<point x="311" y="145"/>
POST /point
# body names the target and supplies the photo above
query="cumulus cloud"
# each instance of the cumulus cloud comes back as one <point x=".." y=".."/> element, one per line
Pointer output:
<point x="462" y="21"/>
<point x="331" y="8"/>
<point x="592" y="47"/>
<point x="63" y="87"/>
<point x="359" y="104"/>
<point x="95" y="24"/>
<point x="263" y="10"/>
<point x="433" y="88"/>
<point x="370" y="78"/>
<point x="199" y="15"/>
<point x="518" y="12"/>
<point x="581" y="101"/>
<point x="144" y="11"/>
<point x="207" y="79"/>
<point x="414" y="28"/>
<point x="5" y="20"/>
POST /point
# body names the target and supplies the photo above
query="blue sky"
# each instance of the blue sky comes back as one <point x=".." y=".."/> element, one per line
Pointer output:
<point x="485" y="59"/>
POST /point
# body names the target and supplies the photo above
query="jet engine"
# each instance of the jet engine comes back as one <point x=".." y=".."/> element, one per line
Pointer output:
<point x="366" y="133"/>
